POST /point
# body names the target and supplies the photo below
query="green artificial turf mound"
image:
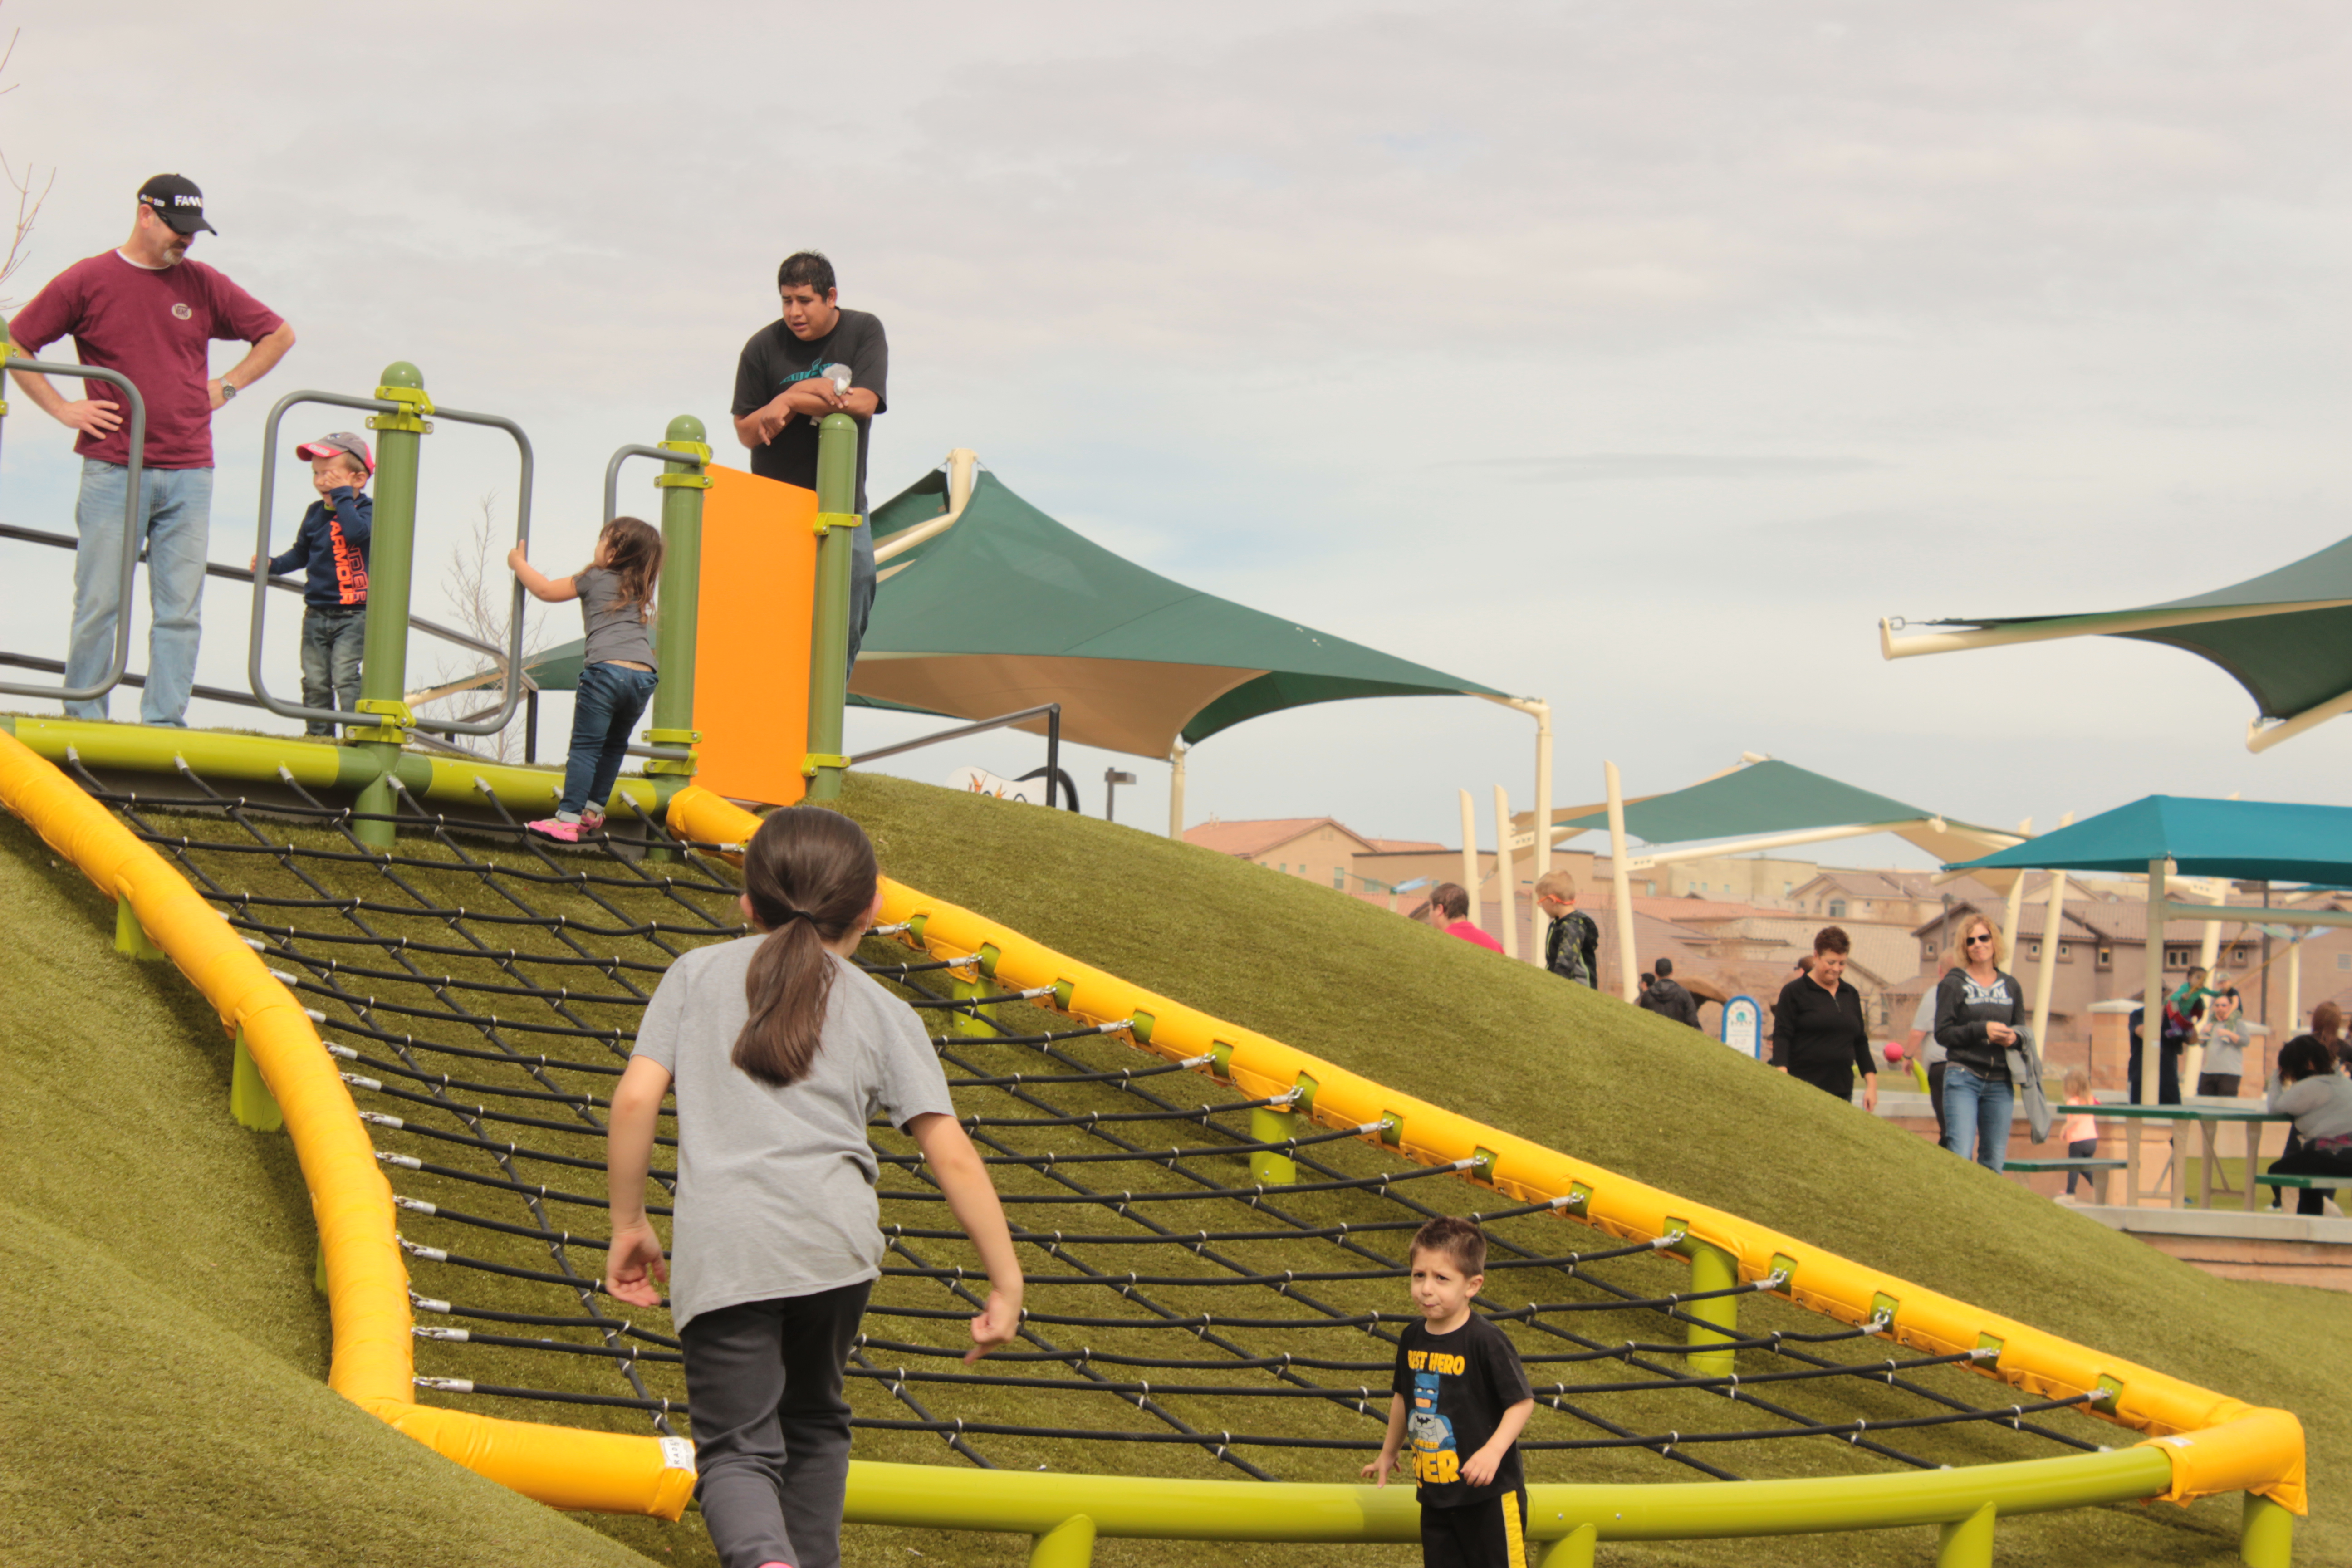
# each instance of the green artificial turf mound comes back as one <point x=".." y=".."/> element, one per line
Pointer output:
<point x="199" y="1235"/>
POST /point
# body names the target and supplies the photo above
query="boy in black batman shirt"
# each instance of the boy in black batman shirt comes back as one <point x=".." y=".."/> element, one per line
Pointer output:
<point x="1462" y="1396"/>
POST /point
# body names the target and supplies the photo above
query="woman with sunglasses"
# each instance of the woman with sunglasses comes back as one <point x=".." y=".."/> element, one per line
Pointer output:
<point x="1980" y="1014"/>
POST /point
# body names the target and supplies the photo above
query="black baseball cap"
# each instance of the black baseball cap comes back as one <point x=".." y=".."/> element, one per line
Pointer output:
<point x="177" y="202"/>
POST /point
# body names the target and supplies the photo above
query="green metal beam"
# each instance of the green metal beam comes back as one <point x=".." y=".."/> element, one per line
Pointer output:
<point x="836" y="499"/>
<point x="391" y="553"/>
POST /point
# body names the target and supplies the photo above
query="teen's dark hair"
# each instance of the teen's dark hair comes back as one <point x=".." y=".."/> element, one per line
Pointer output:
<point x="1459" y="1239"/>
<point x="1665" y="968"/>
<point x="1831" y="939"/>
<point x="806" y="268"/>
<point x="633" y="552"/>
<point x="1450" y="900"/>
<point x="810" y="875"/>
<point x="2304" y="1056"/>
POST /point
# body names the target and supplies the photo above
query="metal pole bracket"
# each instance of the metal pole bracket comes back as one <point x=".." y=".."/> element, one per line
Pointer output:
<point x="815" y="760"/>
<point x="397" y="720"/>
<point x="681" y="481"/>
<point x="679" y="767"/>
<point x="416" y="410"/>
<point x="828" y="520"/>
<point x="688" y="451"/>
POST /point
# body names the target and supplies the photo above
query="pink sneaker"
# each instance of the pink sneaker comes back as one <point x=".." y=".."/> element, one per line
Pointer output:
<point x="591" y="822"/>
<point x="552" y="827"/>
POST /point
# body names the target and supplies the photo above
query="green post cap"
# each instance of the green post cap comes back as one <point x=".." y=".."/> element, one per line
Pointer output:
<point x="685" y="427"/>
<point x="400" y="373"/>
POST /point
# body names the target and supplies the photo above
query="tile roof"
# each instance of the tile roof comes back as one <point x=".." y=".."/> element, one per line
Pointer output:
<point x="1247" y="838"/>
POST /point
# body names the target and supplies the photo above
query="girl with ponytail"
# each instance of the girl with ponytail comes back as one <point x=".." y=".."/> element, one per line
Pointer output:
<point x="781" y="1051"/>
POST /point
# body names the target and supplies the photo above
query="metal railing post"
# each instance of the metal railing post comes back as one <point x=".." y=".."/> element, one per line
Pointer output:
<point x="133" y="477"/>
<point x="1273" y="1124"/>
<point x="676" y="627"/>
<point x="2265" y="1533"/>
<point x="836" y="495"/>
<point x="391" y="550"/>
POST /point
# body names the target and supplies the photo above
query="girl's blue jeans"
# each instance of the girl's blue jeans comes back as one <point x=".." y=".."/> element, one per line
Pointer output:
<point x="604" y="709"/>
<point x="1976" y="1115"/>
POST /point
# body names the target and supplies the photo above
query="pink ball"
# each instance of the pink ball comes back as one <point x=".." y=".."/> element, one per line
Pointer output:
<point x="1895" y="1051"/>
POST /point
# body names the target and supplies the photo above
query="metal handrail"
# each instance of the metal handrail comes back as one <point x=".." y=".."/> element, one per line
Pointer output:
<point x="639" y="449"/>
<point x="1053" y="771"/>
<point x="512" y="655"/>
<point x="136" y="469"/>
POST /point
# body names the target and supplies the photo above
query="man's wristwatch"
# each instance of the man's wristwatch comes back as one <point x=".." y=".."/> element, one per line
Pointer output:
<point x="228" y="391"/>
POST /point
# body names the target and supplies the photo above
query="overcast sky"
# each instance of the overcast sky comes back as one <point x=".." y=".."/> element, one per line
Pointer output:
<point x="1638" y="357"/>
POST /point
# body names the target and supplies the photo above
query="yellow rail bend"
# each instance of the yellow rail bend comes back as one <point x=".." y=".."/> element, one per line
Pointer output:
<point x="2197" y="1443"/>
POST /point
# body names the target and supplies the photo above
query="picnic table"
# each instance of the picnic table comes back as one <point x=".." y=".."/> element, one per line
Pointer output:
<point x="2208" y="1117"/>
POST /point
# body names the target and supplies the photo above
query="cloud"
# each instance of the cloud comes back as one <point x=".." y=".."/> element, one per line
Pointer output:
<point x="1607" y="468"/>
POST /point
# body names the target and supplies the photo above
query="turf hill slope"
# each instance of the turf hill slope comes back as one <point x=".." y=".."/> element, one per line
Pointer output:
<point x="1510" y="1046"/>
<point x="162" y="1374"/>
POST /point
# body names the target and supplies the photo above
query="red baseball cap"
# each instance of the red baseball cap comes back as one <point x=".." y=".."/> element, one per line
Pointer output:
<point x="341" y="444"/>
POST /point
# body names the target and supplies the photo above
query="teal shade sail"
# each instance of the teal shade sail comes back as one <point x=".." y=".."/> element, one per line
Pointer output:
<point x="2234" y="838"/>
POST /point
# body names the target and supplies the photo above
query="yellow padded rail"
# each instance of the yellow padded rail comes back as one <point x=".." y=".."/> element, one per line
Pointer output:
<point x="367" y="1283"/>
<point x="2217" y="1443"/>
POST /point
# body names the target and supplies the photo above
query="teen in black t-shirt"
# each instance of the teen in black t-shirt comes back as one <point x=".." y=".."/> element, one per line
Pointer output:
<point x="783" y="389"/>
<point x="1460" y="1399"/>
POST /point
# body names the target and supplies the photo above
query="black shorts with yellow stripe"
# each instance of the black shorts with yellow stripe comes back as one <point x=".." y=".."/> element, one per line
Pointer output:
<point x="1490" y="1534"/>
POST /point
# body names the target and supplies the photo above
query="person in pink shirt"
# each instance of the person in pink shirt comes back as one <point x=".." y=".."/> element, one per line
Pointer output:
<point x="1448" y="910"/>
<point x="148" y="312"/>
<point x="2081" y="1128"/>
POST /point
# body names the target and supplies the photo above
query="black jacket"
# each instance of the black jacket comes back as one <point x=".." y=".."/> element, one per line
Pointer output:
<point x="1571" y="947"/>
<point x="1963" y="1008"/>
<point x="1667" y="999"/>
<point x="1815" y="1032"/>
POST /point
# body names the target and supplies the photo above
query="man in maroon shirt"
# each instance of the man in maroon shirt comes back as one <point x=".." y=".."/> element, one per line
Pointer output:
<point x="146" y="312"/>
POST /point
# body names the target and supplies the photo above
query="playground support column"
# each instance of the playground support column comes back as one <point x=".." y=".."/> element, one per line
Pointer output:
<point x="392" y="553"/>
<point x="681" y="484"/>
<point x="1176" y="790"/>
<point x="1711" y="1268"/>
<point x="2294" y="984"/>
<point x="1967" y="1542"/>
<point x="2016" y="901"/>
<point x="1506" y="880"/>
<point x="1273" y="1124"/>
<point x="1070" y="1544"/>
<point x="2265" y="1534"/>
<point x="1470" y="854"/>
<point x="1573" y="1550"/>
<point x="836" y="495"/>
<point x="1621" y="877"/>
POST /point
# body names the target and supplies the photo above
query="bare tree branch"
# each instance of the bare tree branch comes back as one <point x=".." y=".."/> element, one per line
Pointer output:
<point x="29" y="203"/>
<point x="475" y="580"/>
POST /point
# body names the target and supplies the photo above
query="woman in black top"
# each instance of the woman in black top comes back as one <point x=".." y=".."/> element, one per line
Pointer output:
<point x="1980" y="1014"/>
<point x="1818" y="1033"/>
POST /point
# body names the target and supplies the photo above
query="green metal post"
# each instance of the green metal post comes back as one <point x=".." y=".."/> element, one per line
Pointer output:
<point x="1070" y="1544"/>
<point x="1966" y="1543"/>
<point x="1271" y="1124"/>
<point x="392" y="554"/>
<point x="249" y="1099"/>
<point x="1573" y="1550"/>
<point x="1711" y="1268"/>
<point x="675" y="626"/>
<point x="978" y="1020"/>
<point x="129" y="936"/>
<point x="836" y="496"/>
<point x="2265" y="1534"/>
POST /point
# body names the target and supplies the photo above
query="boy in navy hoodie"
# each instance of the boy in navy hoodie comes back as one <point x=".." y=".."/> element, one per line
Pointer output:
<point x="333" y="544"/>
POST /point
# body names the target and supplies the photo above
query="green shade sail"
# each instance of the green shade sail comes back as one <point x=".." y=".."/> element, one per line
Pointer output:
<point x="2285" y="636"/>
<point x="1770" y="798"/>
<point x="1010" y="608"/>
<point x="2235" y="838"/>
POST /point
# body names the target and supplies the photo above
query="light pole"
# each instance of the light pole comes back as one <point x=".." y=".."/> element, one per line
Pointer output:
<point x="1112" y="779"/>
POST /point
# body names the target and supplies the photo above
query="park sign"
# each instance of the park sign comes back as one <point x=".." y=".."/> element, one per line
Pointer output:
<point x="1743" y="1026"/>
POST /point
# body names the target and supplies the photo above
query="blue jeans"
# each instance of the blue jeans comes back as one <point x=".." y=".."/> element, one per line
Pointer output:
<point x="604" y="709"/>
<point x="331" y="643"/>
<point x="861" y="585"/>
<point x="1976" y="1112"/>
<point x="175" y="522"/>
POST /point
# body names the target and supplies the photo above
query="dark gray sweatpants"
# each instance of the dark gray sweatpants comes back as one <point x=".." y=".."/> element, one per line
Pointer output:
<point x="771" y="1428"/>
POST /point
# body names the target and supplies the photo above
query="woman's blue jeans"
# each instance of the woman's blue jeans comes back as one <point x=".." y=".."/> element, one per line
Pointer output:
<point x="604" y="709"/>
<point x="1976" y="1115"/>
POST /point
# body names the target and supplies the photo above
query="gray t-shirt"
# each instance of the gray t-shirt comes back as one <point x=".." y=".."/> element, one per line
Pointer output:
<point x="775" y="1187"/>
<point x="616" y="634"/>
<point x="1923" y="1024"/>
<point x="2225" y="1047"/>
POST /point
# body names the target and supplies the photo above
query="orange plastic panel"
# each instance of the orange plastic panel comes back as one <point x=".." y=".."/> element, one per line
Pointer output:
<point x="751" y="653"/>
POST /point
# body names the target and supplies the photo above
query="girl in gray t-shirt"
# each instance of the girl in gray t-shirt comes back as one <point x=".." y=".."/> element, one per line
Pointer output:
<point x="616" y="590"/>
<point x="781" y="1051"/>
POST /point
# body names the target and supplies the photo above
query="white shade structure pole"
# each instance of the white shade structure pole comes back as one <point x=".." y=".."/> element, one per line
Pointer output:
<point x="1504" y="879"/>
<point x="1621" y="877"/>
<point x="2152" y="1026"/>
<point x="2053" y="917"/>
<point x="1176" y="790"/>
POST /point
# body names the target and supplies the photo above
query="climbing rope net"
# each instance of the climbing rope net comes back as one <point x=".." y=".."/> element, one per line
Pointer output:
<point x="1184" y="1315"/>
